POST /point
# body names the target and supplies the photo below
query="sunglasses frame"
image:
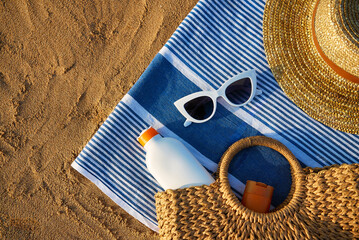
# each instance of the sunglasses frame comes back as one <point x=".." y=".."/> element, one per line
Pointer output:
<point x="215" y="94"/>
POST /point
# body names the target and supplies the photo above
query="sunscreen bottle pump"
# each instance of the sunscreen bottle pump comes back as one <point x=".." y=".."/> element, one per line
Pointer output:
<point x="171" y="163"/>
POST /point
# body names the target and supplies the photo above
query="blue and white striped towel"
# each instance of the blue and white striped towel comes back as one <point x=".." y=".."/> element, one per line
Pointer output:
<point x="217" y="40"/>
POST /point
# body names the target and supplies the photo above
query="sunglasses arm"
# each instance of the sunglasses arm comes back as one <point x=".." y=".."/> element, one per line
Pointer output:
<point x="187" y="123"/>
<point x="258" y="92"/>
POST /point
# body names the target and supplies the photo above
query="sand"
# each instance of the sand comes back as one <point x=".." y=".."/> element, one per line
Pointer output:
<point x="63" y="68"/>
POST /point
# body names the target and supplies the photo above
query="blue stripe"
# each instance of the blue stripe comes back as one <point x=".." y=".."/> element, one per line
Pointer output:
<point x="253" y="5"/>
<point x="193" y="25"/>
<point x="207" y="76"/>
<point x="242" y="49"/>
<point x="122" y="137"/>
<point x="248" y="16"/>
<point x="99" y="175"/>
<point x="221" y="57"/>
<point x="124" y="131"/>
<point x="210" y="77"/>
<point x="214" y="17"/>
<point x="236" y="45"/>
<point x="127" y="110"/>
<point x="245" y="30"/>
<point x="139" y="162"/>
<point x="197" y="62"/>
<point x="225" y="45"/>
<point x="191" y="65"/>
<point x="217" y="10"/>
<point x="94" y="173"/>
<point x="201" y="47"/>
<point x="97" y="160"/>
<point x="127" y="127"/>
<point x="201" y="57"/>
<point x="128" y="174"/>
<point x="121" y="115"/>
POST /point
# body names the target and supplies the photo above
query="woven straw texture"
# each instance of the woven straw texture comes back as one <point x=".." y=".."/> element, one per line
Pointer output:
<point x="322" y="204"/>
<point x="298" y="66"/>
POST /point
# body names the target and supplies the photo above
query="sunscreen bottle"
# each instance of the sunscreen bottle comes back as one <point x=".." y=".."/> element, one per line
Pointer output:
<point x="257" y="196"/>
<point x="171" y="163"/>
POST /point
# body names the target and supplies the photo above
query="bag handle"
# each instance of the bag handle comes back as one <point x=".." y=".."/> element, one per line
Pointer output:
<point x="296" y="195"/>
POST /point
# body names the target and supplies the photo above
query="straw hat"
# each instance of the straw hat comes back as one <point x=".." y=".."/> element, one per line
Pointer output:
<point x="312" y="47"/>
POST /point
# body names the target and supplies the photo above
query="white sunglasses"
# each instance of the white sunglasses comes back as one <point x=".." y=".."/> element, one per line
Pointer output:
<point x="200" y="106"/>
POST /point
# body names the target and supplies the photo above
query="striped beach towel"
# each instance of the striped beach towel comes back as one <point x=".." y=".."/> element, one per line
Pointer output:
<point x="217" y="40"/>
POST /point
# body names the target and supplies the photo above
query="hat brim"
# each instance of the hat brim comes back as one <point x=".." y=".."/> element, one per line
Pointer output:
<point x="301" y="72"/>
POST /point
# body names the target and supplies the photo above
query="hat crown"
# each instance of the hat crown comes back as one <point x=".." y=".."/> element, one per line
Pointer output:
<point x="348" y="19"/>
<point x="336" y="30"/>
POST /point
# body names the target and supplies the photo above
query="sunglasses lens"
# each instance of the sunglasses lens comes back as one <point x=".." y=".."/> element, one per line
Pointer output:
<point x="200" y="108"/>
<point x="240" y="91"/>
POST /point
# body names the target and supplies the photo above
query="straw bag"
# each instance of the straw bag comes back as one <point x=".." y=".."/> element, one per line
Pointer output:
<point x="323" y="203"/>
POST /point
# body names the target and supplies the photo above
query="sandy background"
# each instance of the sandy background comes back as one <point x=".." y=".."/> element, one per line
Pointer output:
<point x="63" y="69"/>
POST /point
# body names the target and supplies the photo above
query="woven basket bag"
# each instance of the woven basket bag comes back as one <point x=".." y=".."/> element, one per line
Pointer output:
<point x="323" y="203"/>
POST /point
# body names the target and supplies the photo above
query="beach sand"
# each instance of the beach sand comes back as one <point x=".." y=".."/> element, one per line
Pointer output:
<point x="64" y="66"/>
